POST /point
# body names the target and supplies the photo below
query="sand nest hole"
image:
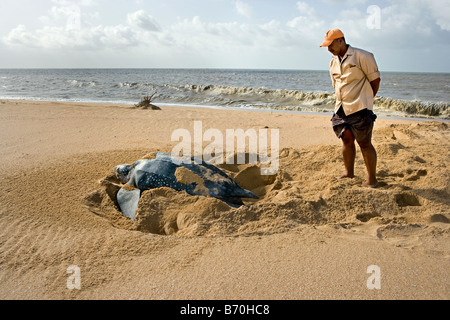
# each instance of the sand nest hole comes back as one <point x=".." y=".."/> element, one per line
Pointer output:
<point x="304" y="191"/>
<point x="166" y="211"/>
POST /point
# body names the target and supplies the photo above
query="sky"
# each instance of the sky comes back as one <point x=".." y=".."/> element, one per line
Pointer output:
<point x="404" y="35"/>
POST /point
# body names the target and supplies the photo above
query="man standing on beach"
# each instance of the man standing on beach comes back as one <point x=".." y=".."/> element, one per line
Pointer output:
<point x="356" y="79"/>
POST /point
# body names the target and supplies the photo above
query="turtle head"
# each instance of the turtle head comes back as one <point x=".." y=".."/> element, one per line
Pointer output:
<point x="122" y="173"/>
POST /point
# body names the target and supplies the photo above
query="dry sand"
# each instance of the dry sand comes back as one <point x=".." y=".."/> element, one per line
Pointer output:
<point x="308" y="237"/>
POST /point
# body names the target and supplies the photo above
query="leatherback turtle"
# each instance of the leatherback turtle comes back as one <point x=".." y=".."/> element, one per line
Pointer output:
<point x="194" y="176"/>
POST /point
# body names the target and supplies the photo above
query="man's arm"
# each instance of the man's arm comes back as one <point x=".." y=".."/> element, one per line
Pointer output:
<point x="370" y="68"/>
<point x="375" y="84"/>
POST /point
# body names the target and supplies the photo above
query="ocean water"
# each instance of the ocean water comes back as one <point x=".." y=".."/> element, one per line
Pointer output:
<point x="401" y="94"/>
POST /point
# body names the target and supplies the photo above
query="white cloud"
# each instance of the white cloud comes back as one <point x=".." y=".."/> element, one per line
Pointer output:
<point x="305" y="8"/>
<point x="440" y="11"/>
<point x="308" y="28"/>
<point x="66" y="26"/>
<point x="143" y="20"/>
<point x="194" y="35"/>
<point x="244" y="9"/>
<point x="51" y="37"/>
<point x="20" y="36"/>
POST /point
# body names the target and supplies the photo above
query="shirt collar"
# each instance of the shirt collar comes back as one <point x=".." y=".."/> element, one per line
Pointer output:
<point x="347" y="54"/>
<point x="349" y="51"/>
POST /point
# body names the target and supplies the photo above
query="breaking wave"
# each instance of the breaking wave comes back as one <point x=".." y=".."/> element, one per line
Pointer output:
<point x="81" y="84"/>
<point x="263" y="97"/>
<point x="432" y="109"/>
<point x="292" y="100"/>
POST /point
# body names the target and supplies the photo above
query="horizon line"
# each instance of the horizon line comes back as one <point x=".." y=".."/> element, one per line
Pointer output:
<point x="202" y="68"/>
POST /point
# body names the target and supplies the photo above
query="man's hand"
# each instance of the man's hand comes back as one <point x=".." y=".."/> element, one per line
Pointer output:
<point x="375" y="86"/>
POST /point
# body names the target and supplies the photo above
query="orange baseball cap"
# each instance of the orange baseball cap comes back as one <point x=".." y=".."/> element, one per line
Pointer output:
<point x="331" y="36"/>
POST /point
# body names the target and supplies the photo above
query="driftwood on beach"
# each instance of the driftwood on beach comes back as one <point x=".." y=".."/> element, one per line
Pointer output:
<point x="146" y="103"/>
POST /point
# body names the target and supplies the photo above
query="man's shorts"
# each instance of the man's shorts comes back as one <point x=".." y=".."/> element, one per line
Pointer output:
<point x="360" y="123"/>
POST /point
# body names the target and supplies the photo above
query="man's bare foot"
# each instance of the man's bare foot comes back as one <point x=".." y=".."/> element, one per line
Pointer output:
<point x="345" y="176"/>
<point x="371" y="185"/>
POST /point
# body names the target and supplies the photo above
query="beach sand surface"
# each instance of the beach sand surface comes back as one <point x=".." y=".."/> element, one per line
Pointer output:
<point x="308" y="236"/>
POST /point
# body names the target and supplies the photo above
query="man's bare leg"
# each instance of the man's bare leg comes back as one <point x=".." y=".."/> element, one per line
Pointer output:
<point x="370" y="158"/>
<point x="349" y="154"/>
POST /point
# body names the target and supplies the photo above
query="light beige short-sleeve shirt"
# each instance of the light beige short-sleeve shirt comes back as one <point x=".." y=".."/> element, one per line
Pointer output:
<point x="351" y="79"/>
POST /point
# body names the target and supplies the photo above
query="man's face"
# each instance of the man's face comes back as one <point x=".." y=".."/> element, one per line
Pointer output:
<point x="335" y="47"/>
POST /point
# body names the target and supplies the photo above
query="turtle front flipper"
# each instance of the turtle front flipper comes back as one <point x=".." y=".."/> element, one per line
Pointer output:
<point x="128" y="202"/>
